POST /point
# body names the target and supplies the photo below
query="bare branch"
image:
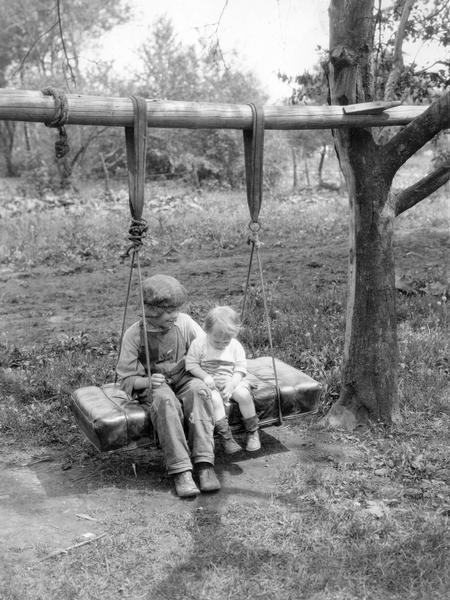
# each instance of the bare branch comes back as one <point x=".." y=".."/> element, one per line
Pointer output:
<point x="31" y="48"/>
<point x="69" y="66"/>
<point x="446" y="63"/>
<point x="417" y="133"/>
<point x="221" y="15"/>
<point x="421" y="189"/>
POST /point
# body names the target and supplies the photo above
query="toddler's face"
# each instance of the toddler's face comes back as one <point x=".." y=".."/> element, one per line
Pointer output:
<point x="218" y="339"/>
<point x="163" y="318"/>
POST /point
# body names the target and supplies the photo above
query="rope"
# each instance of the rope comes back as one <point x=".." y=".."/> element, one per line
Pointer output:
<point x="59" y="119"/>
<point x="254" y="155"/>
<point x="124" y="314"/>
<point x="136" y="147"/>
<point x="269" y="330"/>
<point x="247" y="282"/>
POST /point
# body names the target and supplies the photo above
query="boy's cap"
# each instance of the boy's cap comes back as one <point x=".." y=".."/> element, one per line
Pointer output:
<point x="164" y="291"/>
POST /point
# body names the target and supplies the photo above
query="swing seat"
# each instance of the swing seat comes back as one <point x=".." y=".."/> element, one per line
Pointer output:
<point x="110" y="419"/>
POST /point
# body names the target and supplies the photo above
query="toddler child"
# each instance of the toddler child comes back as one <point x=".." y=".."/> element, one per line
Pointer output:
<point x="218" y="359"/>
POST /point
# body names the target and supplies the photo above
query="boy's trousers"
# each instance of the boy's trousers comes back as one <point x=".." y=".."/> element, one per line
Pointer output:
<point x="172" y="417"/>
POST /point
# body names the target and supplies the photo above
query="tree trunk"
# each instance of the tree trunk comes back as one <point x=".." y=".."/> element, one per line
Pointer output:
<point x="323" y="152"/>
<point x="370" y="361"/>
<point x="7" y="136"/>
<point x="106" y="174"/>
<point x="369" y="371"/>
<point x="369" y="377"/>
<point x="26" y="137"/>
<point x="294" y="169"/>
<point x="305" y="163"/>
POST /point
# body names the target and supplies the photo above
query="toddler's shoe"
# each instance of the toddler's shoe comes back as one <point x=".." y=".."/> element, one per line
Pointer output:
<point x="230" y="446"/>
<point x="253" y="442"/>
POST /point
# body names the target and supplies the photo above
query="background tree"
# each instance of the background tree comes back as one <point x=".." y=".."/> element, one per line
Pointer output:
<point x="170" y="70"/>
<point x="40" y="45"/>
<point x="369" y="374"/>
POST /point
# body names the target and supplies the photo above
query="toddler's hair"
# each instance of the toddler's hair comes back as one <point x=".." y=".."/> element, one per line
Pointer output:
<point x="223" y="319"/>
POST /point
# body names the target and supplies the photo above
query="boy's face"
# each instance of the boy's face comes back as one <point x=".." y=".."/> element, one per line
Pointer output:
<point x="219" y="339"/>
<point x="162" y="318"/>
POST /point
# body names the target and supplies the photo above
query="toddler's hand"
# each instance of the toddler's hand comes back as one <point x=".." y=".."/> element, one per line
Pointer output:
<point x="209" y="381"/>
<point x="157" y="380"/>
<point x="228" y="389"/>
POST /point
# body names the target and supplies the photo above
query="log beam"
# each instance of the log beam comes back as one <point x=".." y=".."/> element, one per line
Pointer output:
<point x="32" y="106"/>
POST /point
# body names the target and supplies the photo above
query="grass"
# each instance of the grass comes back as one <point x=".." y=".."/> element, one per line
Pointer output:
<point x="366" y="521"/>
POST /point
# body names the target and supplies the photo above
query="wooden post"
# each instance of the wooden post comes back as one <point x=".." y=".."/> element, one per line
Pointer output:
<point x="25" y="105"/>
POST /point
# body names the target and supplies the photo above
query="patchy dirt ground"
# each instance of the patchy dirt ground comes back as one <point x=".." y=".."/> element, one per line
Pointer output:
<point x="40" y="304"/>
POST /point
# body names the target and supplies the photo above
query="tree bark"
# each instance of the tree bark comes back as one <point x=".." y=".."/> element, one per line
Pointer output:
<point x="369" y="371"/>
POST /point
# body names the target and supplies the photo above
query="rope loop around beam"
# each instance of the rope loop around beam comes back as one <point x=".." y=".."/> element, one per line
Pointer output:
<point x="59" y="119"/>
<point x="61" y="106"/>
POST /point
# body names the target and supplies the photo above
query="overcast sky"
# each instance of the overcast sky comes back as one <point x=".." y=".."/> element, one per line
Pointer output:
<point x="269" y="35"/>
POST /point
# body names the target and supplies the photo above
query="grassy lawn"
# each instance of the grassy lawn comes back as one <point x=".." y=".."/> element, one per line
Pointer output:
<point x="368" y="520"/>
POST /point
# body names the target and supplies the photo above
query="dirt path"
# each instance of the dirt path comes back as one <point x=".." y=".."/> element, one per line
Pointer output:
<point x="46" y="506"/>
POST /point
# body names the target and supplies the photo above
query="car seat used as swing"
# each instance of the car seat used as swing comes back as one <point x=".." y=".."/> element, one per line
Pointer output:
<point x="111" y="419"/>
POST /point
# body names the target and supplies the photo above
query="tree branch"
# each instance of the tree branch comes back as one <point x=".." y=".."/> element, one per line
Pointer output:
<point x="417" y="133"/>
<point x="421" y="189"/>
<point x="397" y="60"/>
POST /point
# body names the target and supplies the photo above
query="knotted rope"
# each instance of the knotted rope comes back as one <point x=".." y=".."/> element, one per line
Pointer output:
<point x="59" y="119"/>
<point x="136" y="233"/>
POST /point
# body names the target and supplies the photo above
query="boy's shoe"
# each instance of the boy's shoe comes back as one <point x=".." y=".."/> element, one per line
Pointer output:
<point x="184" y="485"/>
<point x="230" y="446"/>
<point x="207" y="478"/>
<point x="253" y="442"/>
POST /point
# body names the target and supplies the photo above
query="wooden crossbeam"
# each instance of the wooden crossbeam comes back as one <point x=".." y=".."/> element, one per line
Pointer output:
<point x="33" y="106"/>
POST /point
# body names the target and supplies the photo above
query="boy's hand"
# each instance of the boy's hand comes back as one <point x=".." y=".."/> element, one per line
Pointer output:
<point x="157" y="380"/>
<point x="209" y="381"/>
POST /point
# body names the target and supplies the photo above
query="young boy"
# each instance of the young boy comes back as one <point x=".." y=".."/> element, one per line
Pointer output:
<point x="178" y="400"/>
<point x="218" y="359"/>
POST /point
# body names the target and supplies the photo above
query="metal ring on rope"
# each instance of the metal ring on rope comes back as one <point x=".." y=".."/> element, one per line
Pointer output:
<point x="59" y="119"/>
<point x="254" y="226"/>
